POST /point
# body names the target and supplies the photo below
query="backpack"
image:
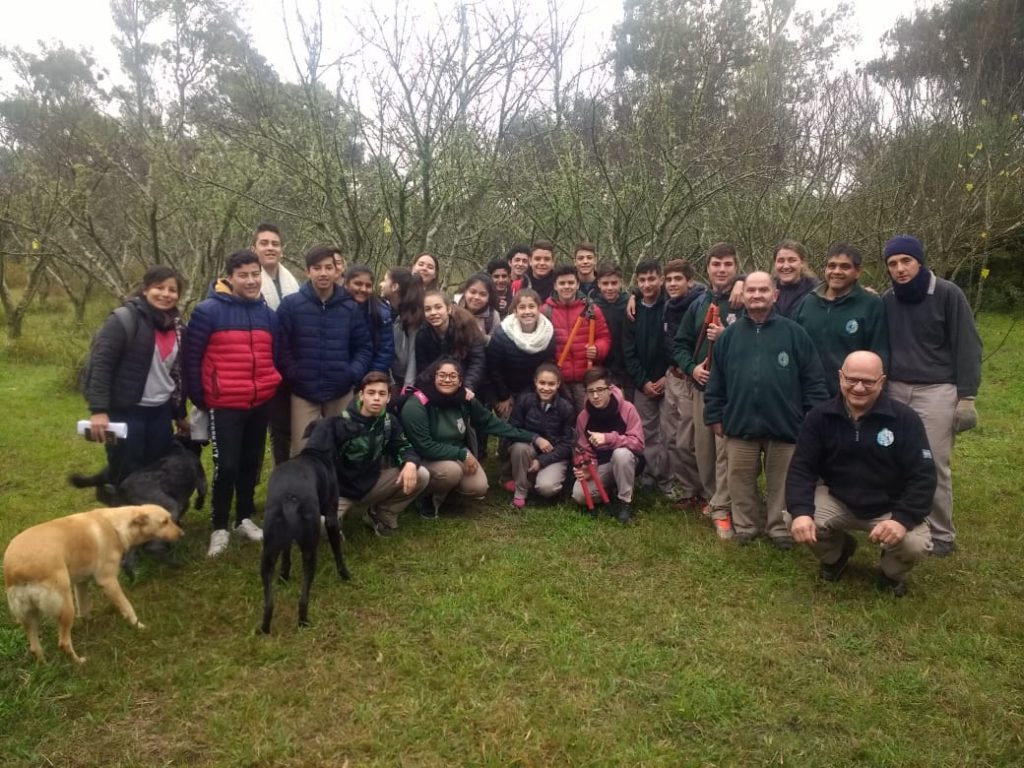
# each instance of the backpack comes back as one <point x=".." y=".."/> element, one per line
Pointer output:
<point x="129" y="322"/>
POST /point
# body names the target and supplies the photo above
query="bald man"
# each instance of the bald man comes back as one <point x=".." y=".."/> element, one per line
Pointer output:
<point x="871" y="456"/>
<point x="765" y="375"/>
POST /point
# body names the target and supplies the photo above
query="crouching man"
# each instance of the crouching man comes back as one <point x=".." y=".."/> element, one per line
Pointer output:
<point x="378" y="468"/>
<point x="608" y="431"/>
<point x="871" y="455"/>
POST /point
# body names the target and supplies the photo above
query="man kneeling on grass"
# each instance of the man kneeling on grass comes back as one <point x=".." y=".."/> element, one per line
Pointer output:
<point x="608" y="431"/>
<point x="871" y="455"/>
<point x="379" y="468"/>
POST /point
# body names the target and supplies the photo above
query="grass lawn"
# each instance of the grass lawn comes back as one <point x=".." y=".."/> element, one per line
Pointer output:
<point x="494" y="637"/>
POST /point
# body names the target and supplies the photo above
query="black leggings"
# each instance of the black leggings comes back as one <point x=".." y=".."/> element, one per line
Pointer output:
<point x="149" y="439"/>
<point x="239" y="440"/>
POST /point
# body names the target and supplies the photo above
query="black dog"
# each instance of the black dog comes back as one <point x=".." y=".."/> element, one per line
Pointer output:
<point x="168" y="482"/>
<point x="299" y="492"/>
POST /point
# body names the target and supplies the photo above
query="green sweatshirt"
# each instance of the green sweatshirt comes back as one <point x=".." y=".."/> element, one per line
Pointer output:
<point x="838" y="327"/>
<point x="643" y="343"/>
<point x="440" y="432"/>
<point x="764" y="378"/>
<point x="689" y="329"/>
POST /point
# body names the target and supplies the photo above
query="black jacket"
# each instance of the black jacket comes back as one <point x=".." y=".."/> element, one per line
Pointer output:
<point x="119" y="365"/>
<point x="509" y="368"/>
<point x="430" y="346"/>
<point x="877" y="465"/>
<point x="554" y="423"/>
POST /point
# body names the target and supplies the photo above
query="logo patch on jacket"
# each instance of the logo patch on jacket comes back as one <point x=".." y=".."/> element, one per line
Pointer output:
<point x="783" y="359"/>
<point x="885" y="437"/>
<point x="461" y="424"/>
<point x="852" y="327"/>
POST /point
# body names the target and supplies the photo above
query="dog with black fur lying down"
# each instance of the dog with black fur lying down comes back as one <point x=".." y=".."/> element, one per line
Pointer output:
<point x="301" y="491"/>
<point x="44" y="563"/>
<point x="168" y="482"/>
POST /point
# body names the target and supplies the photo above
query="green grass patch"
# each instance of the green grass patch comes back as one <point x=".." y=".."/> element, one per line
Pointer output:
<point x="497" y="638"/>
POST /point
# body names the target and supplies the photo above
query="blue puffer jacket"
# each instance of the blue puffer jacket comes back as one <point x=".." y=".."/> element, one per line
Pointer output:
<point x="326" y="347"/>
<point x="382" y="336"/>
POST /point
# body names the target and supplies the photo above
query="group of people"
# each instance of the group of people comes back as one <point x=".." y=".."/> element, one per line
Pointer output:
<point x="847" y="401"/>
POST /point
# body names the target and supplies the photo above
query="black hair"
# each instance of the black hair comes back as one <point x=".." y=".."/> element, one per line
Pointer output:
<point x="484" y="279"/>
<point x="561" y="270"/>
<point x="318" y="253"/>
<point x="845" y="249"/>
<point x="410" y="297"/>
<point x="647" y="265"/>
<point x="496" y="264"/>
<point x="240" y="259"/>
<point x="266" y="226"/>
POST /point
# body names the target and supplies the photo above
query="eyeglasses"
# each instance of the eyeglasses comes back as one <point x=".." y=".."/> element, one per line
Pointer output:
<point x="597" y="390"/>
<point x="446" y="376"/>
<point x="855" y="382"/>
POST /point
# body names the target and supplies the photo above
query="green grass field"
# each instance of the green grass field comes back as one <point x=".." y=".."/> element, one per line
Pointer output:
<point x="494" y="638"/>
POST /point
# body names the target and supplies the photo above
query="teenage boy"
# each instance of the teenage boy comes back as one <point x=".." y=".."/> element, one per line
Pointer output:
<point x="608" y="432"/>
<point x="575" y="321"/>
<point x="326" y="347"/>
<point x="841" y="317"/>
<point x="584" y="258"/>
<point x="539" y="275"/>
<point x="276" y="282"/>
<point x="501" y="276"/>
<point x="229" y="351"/>
<point x="643" y="348"/>
<point x="612" y="300"/>
<point x="677" y="422"/>
<point x="518" y="259"/>
<point x="691" y="354"/>
<point x="765" y="376"/>
<point x="378" y="468"/>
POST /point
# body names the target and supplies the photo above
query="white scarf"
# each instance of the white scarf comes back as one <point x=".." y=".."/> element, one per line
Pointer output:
<point x="529" y="342"/>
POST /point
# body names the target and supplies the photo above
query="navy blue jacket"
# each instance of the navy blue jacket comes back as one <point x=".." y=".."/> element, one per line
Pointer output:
<point x="878" y="465"/>
<point x="326" y="347"/>
<point x="382" y="336"/>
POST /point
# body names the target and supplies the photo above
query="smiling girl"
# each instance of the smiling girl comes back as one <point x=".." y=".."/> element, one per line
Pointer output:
<point x="358" y="282"/>
<point x="524" y="340"/>
<point x="452" y="331"/>
<point x="480" y="298"/>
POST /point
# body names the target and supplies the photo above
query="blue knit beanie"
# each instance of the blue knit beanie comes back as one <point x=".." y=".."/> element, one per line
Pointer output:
<point x="905" y="244"/>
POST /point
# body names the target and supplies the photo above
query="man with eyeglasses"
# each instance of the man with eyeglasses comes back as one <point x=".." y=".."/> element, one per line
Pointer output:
<point x="870" y="455"/>
<point x="765" y="375"/>
<point x="936" y="365"/>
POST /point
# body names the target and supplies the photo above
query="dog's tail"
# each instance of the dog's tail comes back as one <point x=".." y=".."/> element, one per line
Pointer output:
<point x="290" y="510"/>
<point x="89" y="481"/>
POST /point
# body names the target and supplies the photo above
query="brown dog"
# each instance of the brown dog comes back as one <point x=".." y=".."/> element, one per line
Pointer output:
<point x="43" y="562"/>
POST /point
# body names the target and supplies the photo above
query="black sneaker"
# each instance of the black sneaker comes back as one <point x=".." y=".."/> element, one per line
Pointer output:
<point x="743" y="539"/>
<point x="898" y="587"/>
<point x="783" y="543"/>
<point x="835" y="570"/>
<point x="624" y="513"/>
<point x="942" y="548"/>
<point x="376" y="525"/>
<point x="425" y="506"/>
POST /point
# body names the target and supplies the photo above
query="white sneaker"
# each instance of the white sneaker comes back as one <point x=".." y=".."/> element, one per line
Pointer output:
<point x="218" y="543"/>
<point x="247" y="529"/>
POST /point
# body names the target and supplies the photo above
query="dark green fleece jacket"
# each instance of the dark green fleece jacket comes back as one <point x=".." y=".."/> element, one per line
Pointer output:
<point x="615" y="315"/>
<point x="643" y="343"/>
<point x="439" y="432"/>
<point x="838" y="327"/>
<point x="688" y="335"/>
<point x="764" y="378"/>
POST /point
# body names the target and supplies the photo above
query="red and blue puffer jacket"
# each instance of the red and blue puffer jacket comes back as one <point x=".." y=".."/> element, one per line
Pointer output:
<point x="563" y="317"/>
<point x="230" y="350"/>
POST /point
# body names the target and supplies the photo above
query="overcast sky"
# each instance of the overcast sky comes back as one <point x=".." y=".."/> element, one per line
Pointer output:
<point x="86" y="23"/>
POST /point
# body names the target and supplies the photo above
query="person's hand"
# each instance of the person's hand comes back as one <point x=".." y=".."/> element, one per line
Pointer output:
<point x="503" y="408"/>
<point x="470" y="465"/>
<point x="701" y="374"/>
<point x="534" y="467"/>
<point x="659" y="386"/>
<point x="804" y="530"/>
<point x="714" y="331"/>
<point x="736" y="295"/>
<point x="98" y="427"/>
<point x="650" y="390"/>
<point x="591" y="352"/>
<point x="543" y="445"/>
<point x="407" y="478"/>
<point x="183" y="427"/>
<point x="578" y="473"/>
<point x="717" y="429"/>
<point x="888" y="532"/>
<point x="966" y="417"/>
<point x="597" y="438"/>
<point x="469" y="394"/>
<point x="631" y="307"/>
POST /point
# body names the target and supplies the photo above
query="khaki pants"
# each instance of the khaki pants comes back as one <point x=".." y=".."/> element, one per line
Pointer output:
<point x="549" y="480"/>
<point x="677" y="431"/>
<point x="712" y="461"/>
<point x="832" y="519"/>
<point x="305" y="413"/>
<point x="744" y="469"/>
<point x="447" y="475"/>
<point x="936" y="405"/>
<point x="576" y="394"/>
<point x="651" y="411"/>
<point x="387" y="496"/>
<point x="616" y="475"/>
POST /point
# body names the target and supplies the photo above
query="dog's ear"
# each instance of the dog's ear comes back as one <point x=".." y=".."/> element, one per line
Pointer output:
<point x="345" y="430"/>
<point x="319" y="434"/>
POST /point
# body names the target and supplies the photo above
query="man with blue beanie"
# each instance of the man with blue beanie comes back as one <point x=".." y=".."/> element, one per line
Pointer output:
<point x="935" y="365"/>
